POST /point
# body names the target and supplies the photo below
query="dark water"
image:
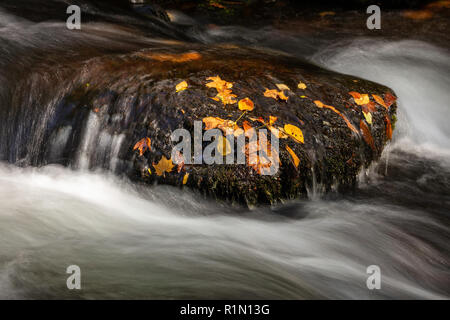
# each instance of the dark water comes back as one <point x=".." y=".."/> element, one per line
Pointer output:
<point x="136" y="242"/>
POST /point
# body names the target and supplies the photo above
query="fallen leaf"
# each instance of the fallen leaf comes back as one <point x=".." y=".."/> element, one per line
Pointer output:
<point x="149" y="171"/>
<point x="212" y="122"/>
<point x="282" y="86"/>
<point x="246" y="104"/>
<point x="181" y="86"/>
<point x="379" y="100"/>
<point x="371" y="106"/>
<point x="143" y="145"/>
<point x="367" y="135"/>
<point x="301" y="85"/>
<point x="368" y="117"/>
<point x="272" y="120"/>
<point x="389" y="99"/>
<point x="185" y="178"/>
<point x="388" y="127"/>
<point x="164" y="165"/>
<point x="439" y="5"/>
<point x="275" y="94"/>
<point x="218" y="83"/>
<point x="295" y="159"/>
<point x="347" y="122"/>
<point x="294" y="132"/>
<point x="359" y="98"/>
<point x="225" y="96"/>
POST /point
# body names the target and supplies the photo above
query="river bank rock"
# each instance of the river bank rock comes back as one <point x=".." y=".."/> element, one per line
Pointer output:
<point x="132" y="97"/>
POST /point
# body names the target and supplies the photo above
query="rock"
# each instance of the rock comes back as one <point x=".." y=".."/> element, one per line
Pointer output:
<point x="132" y="96"/>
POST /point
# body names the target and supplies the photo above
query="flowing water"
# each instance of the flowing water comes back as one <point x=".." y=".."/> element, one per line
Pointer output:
<point x="132" y="241"/>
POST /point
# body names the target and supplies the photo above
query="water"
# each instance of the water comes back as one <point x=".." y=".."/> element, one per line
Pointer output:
<point x="132" y="241"/>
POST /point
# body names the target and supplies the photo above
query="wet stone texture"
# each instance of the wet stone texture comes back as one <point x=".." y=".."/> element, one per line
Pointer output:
<point x="133" y="96"/>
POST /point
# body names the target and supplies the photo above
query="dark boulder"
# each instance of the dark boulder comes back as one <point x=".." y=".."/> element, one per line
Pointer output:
<point x="114" y="101"/>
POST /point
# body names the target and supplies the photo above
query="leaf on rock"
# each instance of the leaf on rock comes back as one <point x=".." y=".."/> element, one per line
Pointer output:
<point x="367" y="135"/>
<point x="388" y="127"/>
<point x="246" y="104"/>
<point x="368" y="117"/>
<point x="143" y="145"/>
<point x="181" y="86"/>
<point x="347" y="122"/>
<point x="418" y="14"/>
<point x="218" y="83"/>
<point x="360" y="99"/>
<point x="371" y="106"/>
<point x="282" y="86"/>
<point x="295" y="159"/>
<point x="225" y="96"/>
<point x="177" y="58"/>
<point x="272" y="120"/>
<point x="327" y="13"/>
<point x="164" y="165"/>
<point x="301" y="85"/>
<point x="275" y="94"/>
<point x="379" y="100"/>
<point x="294" y="132"/>
<point x="389" y="99"/>
<point x="212" y="122"/>
<point x="185" y="178"/>
<point x="179" y="160"/>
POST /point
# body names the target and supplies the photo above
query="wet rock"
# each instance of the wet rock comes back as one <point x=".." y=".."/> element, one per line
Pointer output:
<point x="114" y="101"/>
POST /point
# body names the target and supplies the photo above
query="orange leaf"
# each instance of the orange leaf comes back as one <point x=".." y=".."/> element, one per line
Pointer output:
<point x="225" y="96"/>
<point x="246" y="104"/>
<point x="181" y="86"/>
<point x="218" y="83"/>
<point x="389" y="99"/>
<point x="294" y="132"/>
<point x="301" y="85"/>
<point x="177" y="58"/>
<point x="275" y="94"/>
<point x="388" y="127"/>
<point x="359" y="98"/>
<point x="272" y="120"/>
<point x="379" y="100"/>
<point x="295" y="159"/>
<point x="185" y="178"/>
<point x="212" y="122"/>
<point x="367" y="135"/>
<point x="371" y="106"/>
<point x="143" y="145"/>
<point x="164" y="165"/>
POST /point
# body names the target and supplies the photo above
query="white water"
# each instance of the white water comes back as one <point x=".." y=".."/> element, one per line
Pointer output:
<point x="133" y="242"/>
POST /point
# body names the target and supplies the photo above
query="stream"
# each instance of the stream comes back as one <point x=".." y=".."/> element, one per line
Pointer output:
<point x="132" y="241"/>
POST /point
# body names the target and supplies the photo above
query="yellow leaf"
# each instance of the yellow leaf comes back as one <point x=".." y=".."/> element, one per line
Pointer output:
<point x="272" y="120"/>
<point x="303" y="97"/>
<point x="149" y="171"/>
<point x="295" y="159"/>
<point x="301" y="85"/>
<point x="143" y="145"/>
<point x="368" y="117"/>
<point x="181" y="86"/>
<point x="359" y="98"/>
<point x="164" y="165"/>
<point x="185" y="178"/>
<point x="246" y="104"/>
<point x="282" y="86"/>
<point x="225" y="96"/>
<point x="275" y="94"/>
<point x="218" y="83"/>
<point x="223" y="146"/>
<point x="294" y="132"/>
<point x="379" y="100"/>
<point x="212" y="122"/>
<point x="319" y="103"/>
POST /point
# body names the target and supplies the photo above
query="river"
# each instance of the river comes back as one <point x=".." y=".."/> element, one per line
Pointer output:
<point x="132" y="241"/>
